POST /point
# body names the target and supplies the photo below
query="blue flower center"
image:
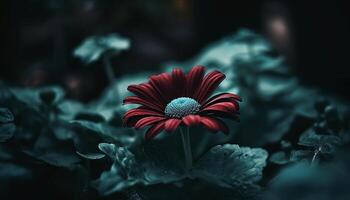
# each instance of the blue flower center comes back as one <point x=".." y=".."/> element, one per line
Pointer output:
<point x="181" y="107"/>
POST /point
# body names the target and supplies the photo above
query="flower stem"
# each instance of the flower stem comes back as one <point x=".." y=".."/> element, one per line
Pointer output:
<point x="185" y="136"/>
<point x="108" y="68"/>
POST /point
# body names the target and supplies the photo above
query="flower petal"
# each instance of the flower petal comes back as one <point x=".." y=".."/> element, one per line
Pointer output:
<point x="172" y="124"/>
<point x="133" y="115"/>
<point x="144" y="102"/>
<point x="146" y="91"/>
<point x="221" y="98"/>
<point x="214" y="124"/>
<point x="222" y="107"/>
<point x="162" y="83"/>
<point x="194" y="80"/>
<point x="179" y="82"/>
<point x="210" y="82"/>
<point x="146" y="121"/>
<point x="154" y="130"/>
<point x="191" y="120"/>
<point x="223" y="110"/>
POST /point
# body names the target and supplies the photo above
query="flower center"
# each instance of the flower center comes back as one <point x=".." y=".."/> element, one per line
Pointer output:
<point x="181" y="107"/>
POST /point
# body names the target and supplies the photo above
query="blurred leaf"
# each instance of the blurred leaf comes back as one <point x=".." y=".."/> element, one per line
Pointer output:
<point x="52" y="151"/>
<point x="6" y="153"/>
<point x="327" y="143"/>
<point x="91" y="156"/>
<point x="7" y="131"/>
<point x="299" y="155"/>
<point x="90" y="134"/>
<point x="62" y="130"/>
<point x="6" y="115"/>
<point x="69" y="109"/>
<point x="280" y="158"/>
<point x="62" y="157"/>
<point x="10" y="172"/>
<point x="94" y="47"/>
<point x="93" y="117"/>
<point x="303" y="182"/>
<point x="108" y="149"/>
<point x="51" y="95"/>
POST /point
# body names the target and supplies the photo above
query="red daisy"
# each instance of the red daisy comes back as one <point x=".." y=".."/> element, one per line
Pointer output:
<point x="178" y="99"/>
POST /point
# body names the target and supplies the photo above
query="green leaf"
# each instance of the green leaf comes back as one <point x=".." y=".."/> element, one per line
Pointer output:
<point x="6" y="153"/>
<point x="90" y="134"/>
<point x="304" y="182"/>
<point x="53" y="151"/>
<point x="327" y="143"/>
<point x="280" y="158"/>
<point x="69" y="109"/>
<point x="127" y="171"/>
<point x="51" y="95"/>
<point x="62" y="130"/>
<point x="88" y="116"/>
<point x="149" y="163"/>
<point x="299" y="155"/>
<point x="229" y="165"/>
<point x="91" y="156"/>
<point x="10" y="172"/>
<point x="6" y="115"/>
<point x="94" y="47"/>
<point x="58" y="158"/>
<point x="108" y="149"/>
<point x="7" y="131"/>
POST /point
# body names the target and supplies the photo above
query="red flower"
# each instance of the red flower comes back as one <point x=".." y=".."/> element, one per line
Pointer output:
<point x="178" y="99"/>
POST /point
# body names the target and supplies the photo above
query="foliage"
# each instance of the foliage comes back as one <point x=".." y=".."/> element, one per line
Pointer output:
<point x="94" y="47"/>
<point x="88" y="152"/>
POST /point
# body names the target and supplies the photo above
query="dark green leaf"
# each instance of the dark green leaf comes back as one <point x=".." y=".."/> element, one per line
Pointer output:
<point x="280" y="158"/>
<point x="58" y="158"/>
<point x="10" y="172"/>
<point x="91" y="156"/>
<point x="148" y="164"/>
<point x="7" y="131"/>
<point x="298" y="155"/>
<point x="6" y="115"/>
<point x="108" y="149"/>
<point x="228" y="165"/>
<point x="93" y="117"/>
<point x="327" y="143"/>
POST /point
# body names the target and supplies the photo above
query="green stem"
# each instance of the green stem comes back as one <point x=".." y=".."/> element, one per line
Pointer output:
<point x="108" y="68"/>
<point x="185" y="136"/>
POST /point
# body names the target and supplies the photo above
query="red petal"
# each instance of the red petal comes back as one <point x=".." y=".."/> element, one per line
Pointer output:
<point x="172" y="124"/>
<point x="144" y="102"/>
<point x="222" y="107"/>
<point x="162" y="83"/>
<point x="133" y="115"/>
<point x="146" y="121"/>
<point x="191" y="120"/>
<point x="146" y="91"/>
<point x="210" y="82"/>
<point x="179" y="82"/>
<point x="194" y="80"/>
<point x="214" y="124"/>
<point x="154" y="130"/>
<point x="221" y="98"/>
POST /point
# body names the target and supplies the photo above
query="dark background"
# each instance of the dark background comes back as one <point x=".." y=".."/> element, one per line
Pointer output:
<point x="38" y="37"/>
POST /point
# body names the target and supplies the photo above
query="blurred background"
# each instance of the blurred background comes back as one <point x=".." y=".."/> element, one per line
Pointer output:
<point x="39" y="36"/>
